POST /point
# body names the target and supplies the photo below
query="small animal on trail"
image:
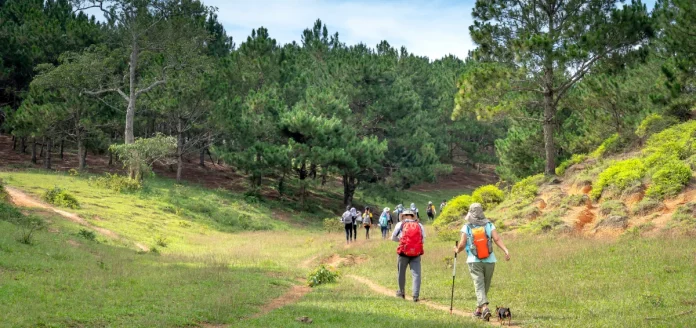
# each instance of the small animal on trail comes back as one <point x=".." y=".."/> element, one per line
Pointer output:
<point x="503" y="313"/>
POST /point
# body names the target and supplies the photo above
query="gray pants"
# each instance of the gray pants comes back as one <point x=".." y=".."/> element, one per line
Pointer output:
<point x="481" y="274"/>
<point x="415" y="264"/>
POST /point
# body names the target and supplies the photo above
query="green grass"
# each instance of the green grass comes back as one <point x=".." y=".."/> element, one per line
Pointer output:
<point x="568" y="282"/>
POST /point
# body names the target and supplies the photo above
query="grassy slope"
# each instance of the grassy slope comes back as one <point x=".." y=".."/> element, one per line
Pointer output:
<point x="564" y="282"/>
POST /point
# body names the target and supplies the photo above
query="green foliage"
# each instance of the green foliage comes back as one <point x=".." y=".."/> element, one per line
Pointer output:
<point x="489" y="196"/>
<point x="546" y="223"/>
<point x="526" y="189"/>
<point x="685" y="216"/>
<point x="612" y="207"/>
<point x="575" y="159"/>
<point x="321" y="275"/>
<point x="161" y="241"/>
<point x="448" y="234"/>
<point x="669" y="179"/>
<point x="654" y="123"/>
<point x="116" y="183"/>
<point x="454" y="211"/>
<point x="521" y="153"/>
<point x="332" y="225"/>
<point x="139" y="156"/>
<point x="4" y="196"/>
<point x="61" y="197"/>
<point x="28" y="224"/>
<point x="619" y="176"/>
<point x="87" y="234"/>
<point x="609" y="146"/>
<point x="677" y="141"/>
<point x="646" y="206"/>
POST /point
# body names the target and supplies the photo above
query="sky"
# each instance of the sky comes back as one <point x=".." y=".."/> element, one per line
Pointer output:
<point x="432" y="28"/>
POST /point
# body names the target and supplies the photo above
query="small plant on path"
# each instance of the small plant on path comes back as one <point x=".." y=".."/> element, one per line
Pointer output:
<point x="321" y="275"/>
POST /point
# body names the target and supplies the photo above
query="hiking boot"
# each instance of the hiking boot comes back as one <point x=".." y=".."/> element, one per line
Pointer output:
<point x="476" y="314"/>
<point x="486" y="315"/>
<point x="415" y="298"/>
<point x="400" y="294"/>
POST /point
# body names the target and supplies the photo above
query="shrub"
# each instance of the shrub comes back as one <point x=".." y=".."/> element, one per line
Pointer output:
<point x="489" y="196"/>
<point x="332" y="225"/>
<point x="654" y="123"/>
<point x="321" y="275"/>
<point x="87" y="234"/>
<point x="646" y="206"/>
<point x="677" y="141"/>
<point x="28" y="226"/>
<point x="60" y="197"/>
<point x="454" y="210"/>
<point x="575" y="159"/>
<point x="685" y="215"/>
<point x="448" y="234"/>
<point x="691" y="161"/>
<point x="527" y="188"/>
<point x="612" y="207"/>
<point x="117" y="183"/>
<point x="73" y="172"/>
<point x="547" y="223"/>
<point x="619" y="175"/>
<point x="9" y="213"/>
<point x="161" y="241"/>
<point x="669" y="180"/>
<point x="610" y="145"/>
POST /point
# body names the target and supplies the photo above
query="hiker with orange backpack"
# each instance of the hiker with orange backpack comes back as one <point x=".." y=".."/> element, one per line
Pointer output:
<point x="478" y="236"/>
<point x="410" y="235"/>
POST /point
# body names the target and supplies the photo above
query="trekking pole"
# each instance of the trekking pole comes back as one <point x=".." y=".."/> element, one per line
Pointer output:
<point x="454" y="273"/>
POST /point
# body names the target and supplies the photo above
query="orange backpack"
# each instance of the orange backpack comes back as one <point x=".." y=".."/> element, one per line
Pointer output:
<point x="481" y="243"/>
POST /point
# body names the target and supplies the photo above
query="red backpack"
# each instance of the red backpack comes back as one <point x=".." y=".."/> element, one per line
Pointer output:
<point x="411" y="242"/>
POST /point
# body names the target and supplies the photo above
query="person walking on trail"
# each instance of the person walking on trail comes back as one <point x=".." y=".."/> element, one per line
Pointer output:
<point x="398" y="211"/>
<point x="367" y="222"/>
<point x="354" y="218"/>
<point x="430" y="210"/>
<point x="442" y="205"/>
<point x="415" y="210"/>
<point x="347" y="220"/>
<point x="478" y="235"/>
<point x="384" y="222"/>
<point x="390" y="221"/>
<point x="410" y="235"/>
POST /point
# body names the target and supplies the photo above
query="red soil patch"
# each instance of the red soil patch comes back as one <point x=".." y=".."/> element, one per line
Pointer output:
<point x="542" y="204"/>
<point x="586" y="189"/>
<point x="585" y="217"/>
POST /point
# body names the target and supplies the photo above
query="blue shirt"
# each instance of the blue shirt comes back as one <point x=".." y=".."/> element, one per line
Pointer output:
<point x="471" y="258"/>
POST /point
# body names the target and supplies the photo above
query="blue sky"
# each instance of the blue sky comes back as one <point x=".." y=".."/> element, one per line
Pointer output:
<point x="427" y="28"/>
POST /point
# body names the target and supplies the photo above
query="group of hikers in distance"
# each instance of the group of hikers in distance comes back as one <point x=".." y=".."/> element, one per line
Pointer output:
<point x="478" y="234"/>
<point x="353" y="218"/>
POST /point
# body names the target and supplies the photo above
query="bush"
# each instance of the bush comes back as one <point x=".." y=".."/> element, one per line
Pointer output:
<point x="619" y="176"/>
<point x="575" y="159"/>
<point x="677" y="141"/>
<point x="28" y="225"/>
<point x="489" y="196"/>
<point x="609" y="145"/>
<point x="60" y="197"/>
<point x="161" y="241"/>
<point x="321" y="275"/>
<point x="612" y="207"/>
<point x="454" y="210"/>
<point x="139" y="156"/>
<point x="332" y="225"/>
<point x="87" y="234"/>
<point x="654" y="123"/>
<point x="527" y="188"/>
<point x="117" y="183"/>
<point x="646" y="206"/>
<point x="546" y="223"/>
<point x="669" y="180"/>
<point x="685" y="215"/>
<point x="448" y="234"/>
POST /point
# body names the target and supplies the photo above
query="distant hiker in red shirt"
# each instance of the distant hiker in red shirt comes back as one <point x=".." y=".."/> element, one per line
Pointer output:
<point x="411" y="235"/>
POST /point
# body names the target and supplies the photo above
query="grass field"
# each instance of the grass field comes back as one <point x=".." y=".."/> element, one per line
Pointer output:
<point x="217" y="274"/>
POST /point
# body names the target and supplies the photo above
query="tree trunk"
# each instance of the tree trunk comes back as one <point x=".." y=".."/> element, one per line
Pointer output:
<point x="111" y="158"/>
<point x="33" y="151"/>
<point x="130" y="112"/>
<point x="281" y="185"/>
<point x="81" y="153"/>
<point x="47" y="160"/>
<point x="23" y="145"/>
<point x="41" y="151"/>
<point x="14" y="143"/>
<point x="62" y="145"/>
<point x="179" y="150"/>
<point x="349" y="185"/>
<point x="549" y="146"/>
<point x="201" y="160"/>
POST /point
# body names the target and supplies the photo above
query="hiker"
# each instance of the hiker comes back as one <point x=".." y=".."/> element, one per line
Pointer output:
<point x="354" y="216"/>
<point x="411" y="236"/>
<point x="347" y="220"/>
<point x="415" y="210"/>
<point x="367" y="222"/>
<point x="385" y="222"/>
<point x="477" y="234"/>
<point x="398" y="211"/>
<point x="430" y="210"/>
<point x="442" y="205"/>
<point x="390" y="221"/>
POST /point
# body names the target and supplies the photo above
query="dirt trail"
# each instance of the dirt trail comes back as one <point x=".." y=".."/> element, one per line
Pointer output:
<point x="291" y="296"/>
<point x="388" y="292"/>
<point x="21" y="199"/>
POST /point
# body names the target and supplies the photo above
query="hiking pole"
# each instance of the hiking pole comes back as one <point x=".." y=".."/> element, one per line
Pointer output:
<point x="454" y="273"/>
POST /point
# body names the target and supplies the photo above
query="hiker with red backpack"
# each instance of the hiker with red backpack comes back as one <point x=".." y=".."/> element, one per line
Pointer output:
<point x="478" y="236"/>
<point x="410" y="235"/>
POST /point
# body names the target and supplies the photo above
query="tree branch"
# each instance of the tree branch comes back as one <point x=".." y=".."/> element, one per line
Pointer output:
<point x="103" y="91"/>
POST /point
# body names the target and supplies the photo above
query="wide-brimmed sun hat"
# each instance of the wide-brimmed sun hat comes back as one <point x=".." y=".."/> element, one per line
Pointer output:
<point x="408" y="212"/>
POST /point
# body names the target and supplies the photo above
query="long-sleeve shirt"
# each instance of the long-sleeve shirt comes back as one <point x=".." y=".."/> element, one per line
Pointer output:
<point x="396" y="235"/>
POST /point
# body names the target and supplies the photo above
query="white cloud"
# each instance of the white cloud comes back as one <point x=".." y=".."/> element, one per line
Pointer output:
<point x="432" y="29"/>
